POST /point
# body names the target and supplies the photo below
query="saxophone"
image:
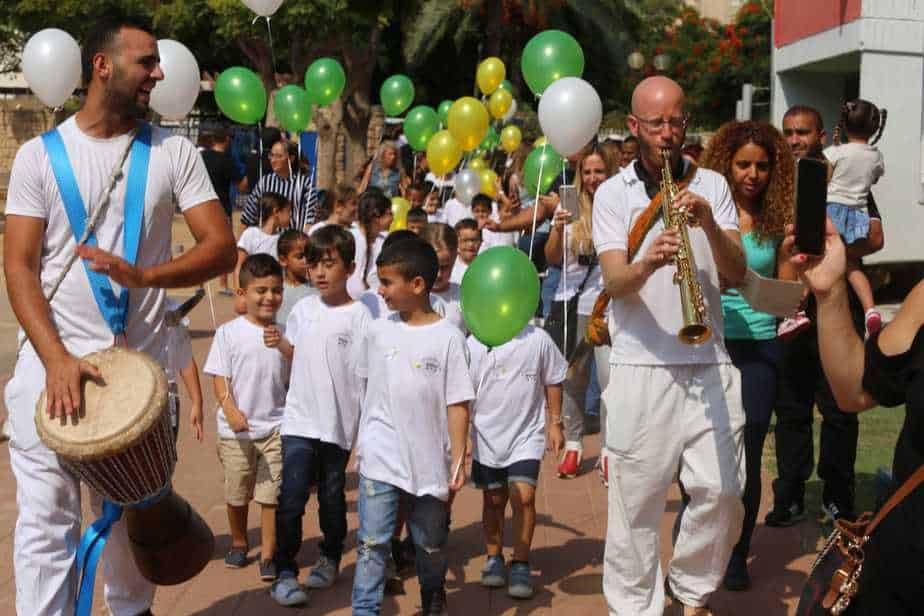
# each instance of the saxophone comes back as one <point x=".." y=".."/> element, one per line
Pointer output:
<point x="694" y="330"/>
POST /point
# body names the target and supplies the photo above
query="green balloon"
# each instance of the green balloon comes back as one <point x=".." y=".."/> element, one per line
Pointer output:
<point x="292" y="108"/>
<point x="491" y="140"/>
<point x="500" y="293"/>
<point x="549" y="56"/>
<point x="397" y="94"/>
<point x="324" y="80"/>
<point x="506" y="85"/>
<point x="240" y="95"/>
<point x="443" y="111"/>
<point x="420" y="125"/>
<point x="549" y="161"/>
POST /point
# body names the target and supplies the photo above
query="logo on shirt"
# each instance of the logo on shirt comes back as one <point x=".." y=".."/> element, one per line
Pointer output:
<point x="531" y="377"/>
<point x="391" y="353"/>
<point x="428" y="364"/>
<point x="344" y="340"/>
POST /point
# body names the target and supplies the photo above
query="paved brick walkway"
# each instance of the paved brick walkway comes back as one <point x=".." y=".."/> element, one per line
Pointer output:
<point x="567" y="550"/>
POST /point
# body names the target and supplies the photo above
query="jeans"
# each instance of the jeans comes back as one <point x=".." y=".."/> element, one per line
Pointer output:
<point x="802" y="384"/>
<point x="758" y="361"/>
<point x="304" y="459"/>
<point x="378" y="511"/>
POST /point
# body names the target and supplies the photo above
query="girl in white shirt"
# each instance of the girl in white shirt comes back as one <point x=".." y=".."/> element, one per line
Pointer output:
<point x="853" y="168"/>
<point x="276" y="214"/>
<point x="595" y="166"/>
<point x="375" y="219"/>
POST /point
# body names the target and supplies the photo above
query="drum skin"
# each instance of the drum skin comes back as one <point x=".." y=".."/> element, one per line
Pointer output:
<point x="121" y="445"/>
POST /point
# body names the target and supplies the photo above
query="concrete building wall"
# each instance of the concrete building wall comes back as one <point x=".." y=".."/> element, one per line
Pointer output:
<point x="721" y="10"/>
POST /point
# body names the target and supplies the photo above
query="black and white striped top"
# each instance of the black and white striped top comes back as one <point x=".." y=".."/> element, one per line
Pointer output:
<point x="297" y="189"/>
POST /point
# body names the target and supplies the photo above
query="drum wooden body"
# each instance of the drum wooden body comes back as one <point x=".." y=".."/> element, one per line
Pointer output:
<point x="121" y="445"/>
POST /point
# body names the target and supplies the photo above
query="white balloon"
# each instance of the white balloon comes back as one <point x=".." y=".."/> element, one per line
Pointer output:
<point x="510" y="112"/>
<point x="467" y="185"/>
<point x="570" y="112"/>
<point x="263" y="8"/>
<point x="51" y="65"/>
<point x="175" y="95"/>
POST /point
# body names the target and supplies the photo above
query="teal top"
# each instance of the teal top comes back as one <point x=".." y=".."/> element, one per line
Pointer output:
<point x="741" y="321"/>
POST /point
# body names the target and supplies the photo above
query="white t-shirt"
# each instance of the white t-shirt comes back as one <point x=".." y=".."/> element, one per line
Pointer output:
<point x="176" y="176"/>
<point x="647" y="322"/>
<point x="455" y="211"/>
<point x="508" y="418"/>
<point x="490" y="239"/>
<point x="438" y="216"/>
<point x="292" y="295"/>
<point x="449" y="304"/>
<point x="324" y="390"/>
<point x="412" y="374"/>
<point x="255" y="240"/>
<point x="458" y="271"/>
<point x="355" y="285"/>
<point x="317" y="225"/>
<point x="372" y="278"/>
<point x="570" y="282"/>
<point x="857" y="166"/>
<point x="259" y="377"/>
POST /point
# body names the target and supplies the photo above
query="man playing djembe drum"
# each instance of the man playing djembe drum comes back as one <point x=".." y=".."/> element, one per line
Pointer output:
<point x="121" y="66"/>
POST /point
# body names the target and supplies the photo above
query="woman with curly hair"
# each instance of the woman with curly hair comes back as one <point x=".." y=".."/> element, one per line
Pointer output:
<point x="758" y="165"/>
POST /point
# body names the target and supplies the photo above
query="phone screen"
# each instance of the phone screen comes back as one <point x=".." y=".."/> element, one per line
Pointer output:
<point x="811" y="205"/>
<point x="569" y="201"/>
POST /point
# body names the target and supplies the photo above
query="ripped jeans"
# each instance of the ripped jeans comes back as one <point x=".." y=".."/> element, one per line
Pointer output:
<point x="378" y="511"/>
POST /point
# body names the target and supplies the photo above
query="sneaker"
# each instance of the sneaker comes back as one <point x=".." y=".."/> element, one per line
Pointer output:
<point x="603" y="469"/>
<point x="323" y="574"/>
<point x="520" y="583"/>
<point x="832" y="513"/>
<point x="873" y="322"/>
<point x="571" y="462"/>
<point x="437" y="605"/>
<point x="793" y="326"/>
<point x="736" y="575"/>
<point x="287" y="591"/>
<point x="781" y="516"/>
<point x="267" y="570"/>
<point x="494" y="573"/>
<point x="236" y="558"/>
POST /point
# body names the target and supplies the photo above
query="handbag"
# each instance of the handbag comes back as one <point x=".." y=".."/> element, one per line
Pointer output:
<point x="834" y="579"/>
<point x="560" y="310"/>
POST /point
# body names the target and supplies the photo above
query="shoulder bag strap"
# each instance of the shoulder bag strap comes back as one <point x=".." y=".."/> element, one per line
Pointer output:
<point x="910" y="484"/>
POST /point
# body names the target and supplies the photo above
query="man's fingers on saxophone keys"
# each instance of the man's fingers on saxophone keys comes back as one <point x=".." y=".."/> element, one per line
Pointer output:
<point x="664" y="248"/>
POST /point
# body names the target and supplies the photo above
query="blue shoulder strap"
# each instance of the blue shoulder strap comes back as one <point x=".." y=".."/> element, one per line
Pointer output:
<point x="114" y="310"/>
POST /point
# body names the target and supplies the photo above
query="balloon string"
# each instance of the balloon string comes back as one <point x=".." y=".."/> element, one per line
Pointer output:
<point x="564" y="284"/>
<point x="269" y="31"/>
<point x="532" y="237"/>
<point x="260" y="168"/>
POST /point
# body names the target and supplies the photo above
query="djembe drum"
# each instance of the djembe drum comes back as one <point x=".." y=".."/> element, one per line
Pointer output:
<point x="121" y="445"/>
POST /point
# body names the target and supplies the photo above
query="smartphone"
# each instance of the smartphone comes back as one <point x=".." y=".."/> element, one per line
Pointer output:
<point x="811" y="205"/>
<point x="567" y="193"/>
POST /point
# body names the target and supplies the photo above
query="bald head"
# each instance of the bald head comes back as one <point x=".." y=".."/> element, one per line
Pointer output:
<point x="655" y="94"/>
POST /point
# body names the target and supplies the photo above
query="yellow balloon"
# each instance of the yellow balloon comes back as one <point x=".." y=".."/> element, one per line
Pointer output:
<point x="510" y="138"/>
<point x="491" y="73"/>
<point x="499" y="103"/>
<point x="488" y="182"/>
<point x="399" y="209"/>
<point x="443" y="152"/>
<point x="541" y="141"/>
<point x="468" y="122"/>
<point x="477" y="164"/>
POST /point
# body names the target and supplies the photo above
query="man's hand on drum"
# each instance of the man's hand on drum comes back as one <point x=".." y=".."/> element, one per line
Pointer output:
<point x="117" y="268"/>
<point x="63" y="377"/>
<point x="237" y="421"/>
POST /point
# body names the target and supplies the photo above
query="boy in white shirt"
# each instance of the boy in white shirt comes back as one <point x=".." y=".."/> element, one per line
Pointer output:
<point x="322" y="412"/>
<point x="250" y="381"/>
<point x="514" y="383"/>
<point x="413" y="428"/>
<point x="469" y="242"/>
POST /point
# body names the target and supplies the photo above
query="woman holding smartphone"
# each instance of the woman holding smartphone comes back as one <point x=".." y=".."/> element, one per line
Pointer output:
<point x="758" y="165"/>
<point x="581" y="278"/>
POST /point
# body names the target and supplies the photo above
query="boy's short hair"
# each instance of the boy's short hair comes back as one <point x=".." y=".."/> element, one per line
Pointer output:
<point x="258" y="265"/>
<point x="289" y="241"/>
<point x="397" y="236"/>
<point x="331" y="238"/>
<point x="483" y="200"/>
<point x="417" y="214"/>
<point x="420" y="187"/>
<point x="412" y="257"/>
<point x="467" y="224"/>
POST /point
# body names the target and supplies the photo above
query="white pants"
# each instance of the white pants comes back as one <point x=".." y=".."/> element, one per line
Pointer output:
<point x="662" y="418"/>
<point x="48" y="526"/>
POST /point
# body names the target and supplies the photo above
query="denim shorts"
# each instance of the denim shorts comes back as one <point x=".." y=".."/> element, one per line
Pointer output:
<point x="851" y="222"/>
<point x="489" y="478"/>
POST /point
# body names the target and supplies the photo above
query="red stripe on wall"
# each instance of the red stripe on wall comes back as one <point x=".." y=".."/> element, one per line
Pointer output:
<point x="799" y="19"/>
